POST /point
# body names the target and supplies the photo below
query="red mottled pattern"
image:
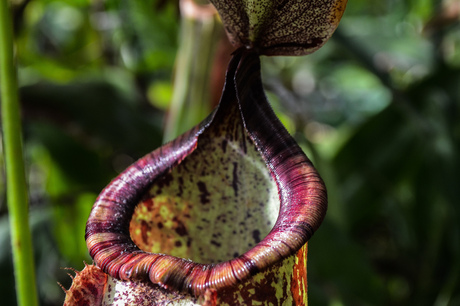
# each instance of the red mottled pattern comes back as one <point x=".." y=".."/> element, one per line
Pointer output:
<point x="210" y="298"/>
<point x="270" y="287"/>
<point x="88" y="287"/>
<point x="299" y="285"/>
<point x="284" y="283"/>
<point x="302" y="196"/>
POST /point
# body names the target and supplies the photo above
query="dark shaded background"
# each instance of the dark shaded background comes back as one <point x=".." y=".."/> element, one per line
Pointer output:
<point x="377" y="109"/>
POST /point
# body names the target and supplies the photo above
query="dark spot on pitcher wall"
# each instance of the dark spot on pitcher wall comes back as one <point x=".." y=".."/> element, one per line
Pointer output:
<point x="235" y="178"/>
<point x="181" y="230"/>
<point x="145" y="228"/>
<point x="204" y="193"/>
<point x="149" y="204"/>
<point x="217" y="244"/>
<point x="181" y="187"/>
<point x="256" y="236"/>
<point x="224" y="145"/>
<point x="165" y="181"/>
<point x="244" y="145"/>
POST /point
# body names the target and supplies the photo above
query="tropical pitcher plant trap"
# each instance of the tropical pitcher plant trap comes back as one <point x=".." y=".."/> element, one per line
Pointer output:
<point x="222" y="214"/>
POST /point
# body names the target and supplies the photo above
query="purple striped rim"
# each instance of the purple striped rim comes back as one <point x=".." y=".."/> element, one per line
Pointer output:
<point x="302" y="196"/>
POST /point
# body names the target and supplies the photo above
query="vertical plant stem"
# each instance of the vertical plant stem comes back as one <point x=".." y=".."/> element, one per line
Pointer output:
<point x="15" y="175"/>
<point x="190" y="103"/>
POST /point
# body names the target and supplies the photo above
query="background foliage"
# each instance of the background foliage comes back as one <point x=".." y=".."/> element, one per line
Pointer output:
<point x="377" y="109"/>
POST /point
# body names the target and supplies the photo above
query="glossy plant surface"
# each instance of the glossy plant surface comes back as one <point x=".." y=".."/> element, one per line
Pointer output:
<point x="214" y="195"/>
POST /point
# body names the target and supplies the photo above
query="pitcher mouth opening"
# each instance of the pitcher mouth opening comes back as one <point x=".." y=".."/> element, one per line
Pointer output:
<point x="217" y="204"/>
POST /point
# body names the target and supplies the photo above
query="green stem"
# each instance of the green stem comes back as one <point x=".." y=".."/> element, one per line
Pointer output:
<point x="15" y="175"/>
<point x="191" y="99"/>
